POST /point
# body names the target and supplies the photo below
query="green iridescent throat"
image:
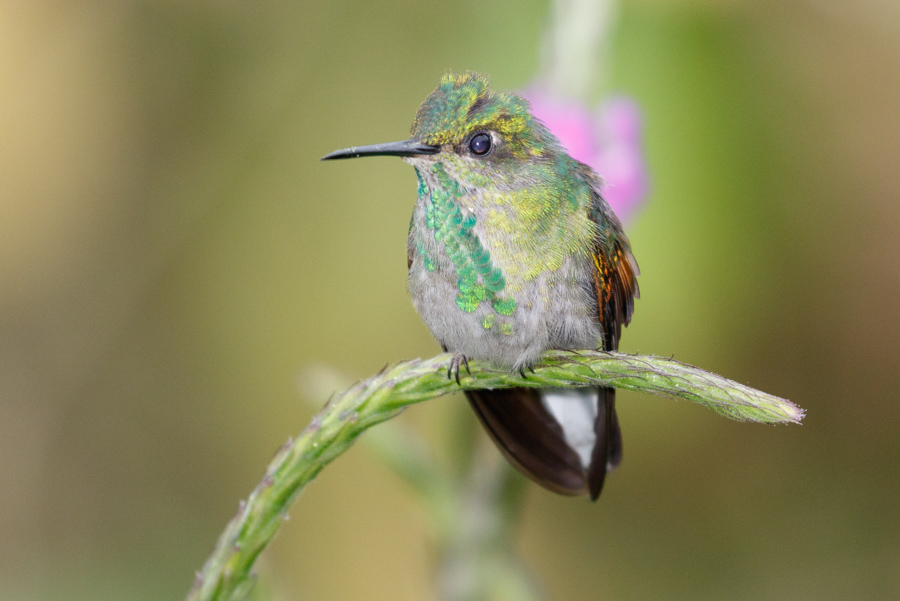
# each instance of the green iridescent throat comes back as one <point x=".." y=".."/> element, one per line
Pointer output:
<point x="478" y="279"/>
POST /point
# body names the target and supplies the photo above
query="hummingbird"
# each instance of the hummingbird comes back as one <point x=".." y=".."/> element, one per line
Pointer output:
<point x="512" y="251"/>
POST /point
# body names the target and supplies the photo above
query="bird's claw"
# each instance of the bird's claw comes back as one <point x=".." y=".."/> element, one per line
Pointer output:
<point x="523" y="374"/>
<point x="456" y="362"/>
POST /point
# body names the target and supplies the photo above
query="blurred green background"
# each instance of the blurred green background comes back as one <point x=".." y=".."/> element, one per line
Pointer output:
<point x="173" y="255"/>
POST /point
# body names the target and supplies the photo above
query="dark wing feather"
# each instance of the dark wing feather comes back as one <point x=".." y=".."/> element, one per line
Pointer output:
<point x="615" y="288"/>
<point x="615" y="282"/>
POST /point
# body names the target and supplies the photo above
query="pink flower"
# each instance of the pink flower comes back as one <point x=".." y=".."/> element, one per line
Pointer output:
<point x="608" y="139"/>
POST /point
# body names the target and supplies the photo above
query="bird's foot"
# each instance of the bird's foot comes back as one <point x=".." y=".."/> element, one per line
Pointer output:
<point x="523" y="374"/>
<point x="457" y="361"/>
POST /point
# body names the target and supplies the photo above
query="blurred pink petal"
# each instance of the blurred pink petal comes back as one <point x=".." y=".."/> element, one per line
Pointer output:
<point x="621" y="118"/>
<point x="608" y="139"/>
<point x="621" y="157"/>
<point x="571" y="122"/>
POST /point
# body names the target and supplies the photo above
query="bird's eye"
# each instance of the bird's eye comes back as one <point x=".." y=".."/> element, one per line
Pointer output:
<point x="480" y="144"/>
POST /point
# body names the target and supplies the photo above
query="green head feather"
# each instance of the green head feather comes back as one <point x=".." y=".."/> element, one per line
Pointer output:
<point x="463" y="104"/>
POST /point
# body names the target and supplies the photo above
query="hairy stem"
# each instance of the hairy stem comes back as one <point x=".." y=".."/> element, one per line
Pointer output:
<point x="227" y="573"/>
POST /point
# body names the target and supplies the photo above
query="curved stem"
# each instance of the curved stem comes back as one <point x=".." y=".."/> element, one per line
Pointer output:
<point x="227" y="573"/>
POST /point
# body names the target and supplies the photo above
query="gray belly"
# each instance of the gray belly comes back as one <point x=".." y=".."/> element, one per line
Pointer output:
<point x="556" y="310"/>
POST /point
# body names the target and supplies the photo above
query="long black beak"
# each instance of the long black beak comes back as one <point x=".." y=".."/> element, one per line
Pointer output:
<point x="407" y="148"/>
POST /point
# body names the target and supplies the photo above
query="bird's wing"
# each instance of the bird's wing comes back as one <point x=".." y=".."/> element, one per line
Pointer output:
<point x="615" y="269"/>
<point x="615" y="285"/>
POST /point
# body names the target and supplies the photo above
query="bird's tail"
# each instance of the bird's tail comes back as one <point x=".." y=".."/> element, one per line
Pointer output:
<point x="565" y="439"/>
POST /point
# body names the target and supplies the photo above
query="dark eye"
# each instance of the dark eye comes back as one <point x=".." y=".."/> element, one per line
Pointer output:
<point x="480" y="144"/>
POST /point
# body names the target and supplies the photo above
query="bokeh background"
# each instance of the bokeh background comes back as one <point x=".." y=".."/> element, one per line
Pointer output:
<point x="173" y="256"/>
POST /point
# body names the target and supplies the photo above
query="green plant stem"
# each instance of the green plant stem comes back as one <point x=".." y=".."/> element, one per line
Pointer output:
<point x="227" y="573"/>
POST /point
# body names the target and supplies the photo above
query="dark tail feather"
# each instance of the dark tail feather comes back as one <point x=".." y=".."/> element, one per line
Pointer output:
<point x="533" y="440"/>
<point x="608" y="446"/>
<point x="529" y="437"/>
